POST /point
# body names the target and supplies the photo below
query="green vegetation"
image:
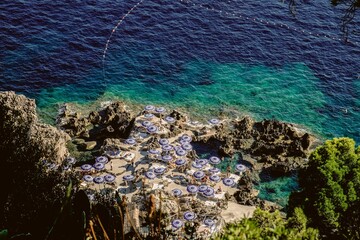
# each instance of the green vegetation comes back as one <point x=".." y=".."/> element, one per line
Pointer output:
<point x="331" y="189"/>
<point x="266" y="225"/>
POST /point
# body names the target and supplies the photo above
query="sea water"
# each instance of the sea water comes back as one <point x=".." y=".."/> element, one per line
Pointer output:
<point x="228" y="58"/>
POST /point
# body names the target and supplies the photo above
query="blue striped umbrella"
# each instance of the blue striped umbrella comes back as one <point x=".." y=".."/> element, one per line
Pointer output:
<point x="186" y="146"/>
<point x="209" y="222"/>
<point x="160" y="109"/>
<point x="209" y="192"/>
<point x="149" y="108"/>
<point x="214" y="160"/>
<point x="181" y="152"/>
<point x="152" y="129"/>
<point x="228" y="182"/>
<point x="202" y="161"/>
<point x="214" y="170"/>
<point x="196" y="165"/>
<point x="177" y="223"/>
<point x="177" y="192"/>
<point x="88" y="178"/>
<point x="99" y="166"/>
<point x="150" y="175"/>
<point x="159" y="170"/>
<point x="192" y="188"/>
<point x="240" y="167"/>
<point x="169" y="119"/>
<point x="163" y="141"/>
<point x="148" y="115"/>
<point x="180" y="162"/>
<point x="128" y="177"/>
<point x="199" y="174"/>
<point x="202" y="188"/>
<point x="99" y="179"/>
<point x="215" y="178"/>
<point x="146" y="123"/>
<point x="109" y="178"/>
<point x="189" y="216"/>
<point x="153" y="151"/>
<point x="130" y="141"/>
<point x="214" y="121"/>
<point x="101" y="159"/>
<point x="167" y="158"/>
<point x="186" y="138"/>
<point x="167" y="147"/>
<point x="86" y="167"/>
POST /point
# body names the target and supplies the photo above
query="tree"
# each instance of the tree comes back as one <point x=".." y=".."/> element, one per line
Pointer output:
<point x="266" y="225"/>
<point x="330" y="185"/>
<point x="351" y="7"/>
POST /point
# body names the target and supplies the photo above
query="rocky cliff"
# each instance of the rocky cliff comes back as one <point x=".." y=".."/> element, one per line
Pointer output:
<point x="28" y="188"/>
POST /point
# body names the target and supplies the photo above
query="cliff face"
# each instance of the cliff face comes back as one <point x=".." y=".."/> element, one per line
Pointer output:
<point x="21" y="133"/>
<point x="24" y="142"/>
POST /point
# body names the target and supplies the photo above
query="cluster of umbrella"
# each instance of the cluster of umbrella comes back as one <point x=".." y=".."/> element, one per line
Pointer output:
<point x="190" y="216"/>
<point x="198" y="164"/>
<point x="98" y="165"/>
<point x="67" y="164"/>
<point x="108" y="178"/>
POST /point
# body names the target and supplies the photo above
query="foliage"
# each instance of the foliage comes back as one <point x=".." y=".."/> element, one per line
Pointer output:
<point x="351" y="6"/>
<point x="266" y="225"/>
<point x="331" y="188"/>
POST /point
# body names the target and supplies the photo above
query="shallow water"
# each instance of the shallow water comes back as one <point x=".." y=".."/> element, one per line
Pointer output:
<point x="233" y="57"/>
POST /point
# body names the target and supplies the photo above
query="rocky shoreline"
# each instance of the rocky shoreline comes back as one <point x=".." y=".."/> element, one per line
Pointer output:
<point x="126" y="140"/>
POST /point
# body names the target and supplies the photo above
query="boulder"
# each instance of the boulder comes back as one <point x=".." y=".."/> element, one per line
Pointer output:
<point x="87" y="146"/>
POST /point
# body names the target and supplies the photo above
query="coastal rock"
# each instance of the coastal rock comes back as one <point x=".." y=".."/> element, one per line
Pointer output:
<point x="21" y="133"/>
<point x="30" y="190"/>
<point x="87" y="146"/>
<point x="110" y="122"/>
<point x="178" y="116"/>
<point x="277" y="145"/>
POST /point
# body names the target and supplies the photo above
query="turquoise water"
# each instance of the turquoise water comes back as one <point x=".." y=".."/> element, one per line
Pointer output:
<point x="290" y="93"/>
<point x="278" y="190"/>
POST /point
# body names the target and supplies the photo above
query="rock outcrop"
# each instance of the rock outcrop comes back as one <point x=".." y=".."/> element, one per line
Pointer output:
<point x="277" y="146"/>
<point x="23" y="137"/>
<point x="29" y="190"/>
<point x="113" y="121"/>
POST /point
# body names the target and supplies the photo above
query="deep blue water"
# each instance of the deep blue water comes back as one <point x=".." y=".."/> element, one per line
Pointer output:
<point x="237" y="56"/>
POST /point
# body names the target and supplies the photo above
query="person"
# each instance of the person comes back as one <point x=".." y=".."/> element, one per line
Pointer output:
<point x="111" y="166"/>
<point x="219" y="190"/>
<point x="205" y="179"/>
<point x="228" y="171"/>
